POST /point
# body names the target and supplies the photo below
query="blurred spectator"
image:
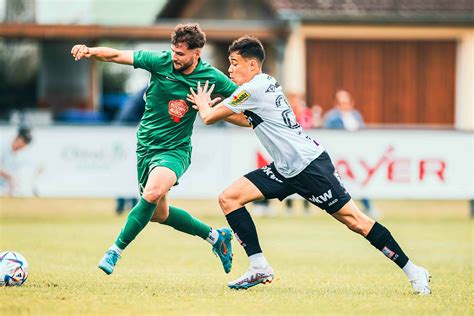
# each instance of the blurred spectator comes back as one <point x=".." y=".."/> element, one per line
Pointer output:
<point x="345" y="116"/>
<point x="133" y="109"/>
<point x="316" y="116"/>
<point x="10" y="162"/>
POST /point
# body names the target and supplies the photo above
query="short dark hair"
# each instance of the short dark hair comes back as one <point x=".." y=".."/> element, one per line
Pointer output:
<point x="190" y="33"/>
<point x="248" y="47"/>
<point x="25" y="134"/>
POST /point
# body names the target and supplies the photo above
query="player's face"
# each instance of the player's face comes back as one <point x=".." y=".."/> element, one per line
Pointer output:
<point x="18" y="144"/>
<point x="240" y="69"/>
<point x="183" y="57"/>
<point x="344" y="101"/>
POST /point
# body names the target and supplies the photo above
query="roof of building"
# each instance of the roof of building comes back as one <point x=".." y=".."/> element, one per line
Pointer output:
<point x="379" y="11"/>
<point x="343" y="11"/>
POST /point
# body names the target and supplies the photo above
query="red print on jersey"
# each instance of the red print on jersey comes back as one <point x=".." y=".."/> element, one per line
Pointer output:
<point x="177" y="109"/>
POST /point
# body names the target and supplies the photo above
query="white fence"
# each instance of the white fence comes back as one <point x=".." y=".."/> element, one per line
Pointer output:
<point x="100" y="162"/>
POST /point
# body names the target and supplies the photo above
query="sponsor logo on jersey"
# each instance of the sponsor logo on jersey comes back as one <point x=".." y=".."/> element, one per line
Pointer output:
<point x="177" y="109"/>
<point x="272" y="87"/>
<point x="320" y="199"/>
<point x="239" y="98"/>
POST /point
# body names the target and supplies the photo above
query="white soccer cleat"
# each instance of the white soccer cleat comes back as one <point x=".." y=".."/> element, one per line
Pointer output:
<point x="421" y="282"/>
<point x="252" y="277"/>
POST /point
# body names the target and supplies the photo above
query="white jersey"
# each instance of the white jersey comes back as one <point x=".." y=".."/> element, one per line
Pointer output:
<point x="262" y="101"/>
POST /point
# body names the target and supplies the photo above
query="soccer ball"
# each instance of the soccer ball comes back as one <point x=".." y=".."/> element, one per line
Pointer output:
<point x="13" y="269"/>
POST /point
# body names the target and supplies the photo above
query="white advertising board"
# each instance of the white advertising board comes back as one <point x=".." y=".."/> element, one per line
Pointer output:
<point x="100" y="162"/>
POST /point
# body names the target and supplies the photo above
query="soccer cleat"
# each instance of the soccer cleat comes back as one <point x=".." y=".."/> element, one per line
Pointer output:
<point x="252" y="277"/>
<point x="108" y="261"/>
<point x="223" y="248"/>
<point x="421" y="282"/>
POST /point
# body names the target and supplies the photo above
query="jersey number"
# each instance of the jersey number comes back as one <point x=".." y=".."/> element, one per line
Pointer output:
<point x="289" y="119"/>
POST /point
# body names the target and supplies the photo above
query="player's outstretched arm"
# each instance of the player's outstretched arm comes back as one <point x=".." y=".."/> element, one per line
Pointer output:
<point x="203" y="103"/>
<point x="106" y="54"/>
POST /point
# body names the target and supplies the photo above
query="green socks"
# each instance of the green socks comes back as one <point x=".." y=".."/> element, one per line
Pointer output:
<point x="183" y="221"/>
<point x="141" y="214"/>
<point x="138" y="218"/>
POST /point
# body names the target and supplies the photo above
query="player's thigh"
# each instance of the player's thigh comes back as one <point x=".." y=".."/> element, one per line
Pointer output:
<point x="264" y="183"/>
<point x="160" y="181"/>
<point x="319" y="183"/>
<point x="176" y="160"/>
<point x="241" y="191"/>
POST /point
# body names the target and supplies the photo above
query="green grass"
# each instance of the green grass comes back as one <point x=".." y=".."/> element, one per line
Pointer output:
<point x="321" y="267"/>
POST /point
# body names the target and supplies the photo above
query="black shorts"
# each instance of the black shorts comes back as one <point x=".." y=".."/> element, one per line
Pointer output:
<point x="319" y="183"/>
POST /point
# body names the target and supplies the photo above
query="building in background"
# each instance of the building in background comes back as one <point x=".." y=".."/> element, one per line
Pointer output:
<point x="407" y="62"/>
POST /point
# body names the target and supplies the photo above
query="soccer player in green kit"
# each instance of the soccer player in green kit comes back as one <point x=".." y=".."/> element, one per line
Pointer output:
<point x="164" y="136"/>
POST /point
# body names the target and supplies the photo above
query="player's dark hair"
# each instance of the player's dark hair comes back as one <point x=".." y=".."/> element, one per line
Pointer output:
<point x="25" y="134"/>
<point x="190" y="34"/>
<point x="248" y="47"/>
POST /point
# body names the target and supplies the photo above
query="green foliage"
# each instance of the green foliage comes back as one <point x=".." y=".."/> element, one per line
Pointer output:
<point x="321" y="268"/>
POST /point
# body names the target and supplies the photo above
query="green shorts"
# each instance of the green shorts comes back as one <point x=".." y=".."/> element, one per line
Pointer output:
<point x="177" y="160"/>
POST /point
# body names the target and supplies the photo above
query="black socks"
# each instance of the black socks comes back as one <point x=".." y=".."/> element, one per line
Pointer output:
<point x="244" y="229"/>
<point x="380" y="238"/>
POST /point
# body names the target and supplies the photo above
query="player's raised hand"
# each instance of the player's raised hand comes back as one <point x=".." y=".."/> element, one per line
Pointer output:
<point x="80" y="51"/>
<point x="202" y="96"/>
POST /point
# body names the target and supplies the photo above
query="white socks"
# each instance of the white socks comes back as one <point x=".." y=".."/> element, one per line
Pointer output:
<point x="115" y="248"/>
<point x="258" y="260"/>
<point x="213" y="236"/>
<point x="410" y="270"/>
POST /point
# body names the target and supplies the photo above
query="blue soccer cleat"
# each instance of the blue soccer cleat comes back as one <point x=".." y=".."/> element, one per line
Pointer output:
<point x="108" y="261"/>
<point x="223" y="248"/>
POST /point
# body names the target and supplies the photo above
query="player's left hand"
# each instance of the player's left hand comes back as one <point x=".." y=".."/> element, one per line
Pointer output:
<point x="202" y="98"/>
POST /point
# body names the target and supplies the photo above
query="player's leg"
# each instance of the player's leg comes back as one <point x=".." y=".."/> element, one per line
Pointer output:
<point x="160" y="180"/>
<point x="319" y="183"/>
<point x="255" y="186"/>
<point x="183" y="221"/>
<point x="381" y="238"/>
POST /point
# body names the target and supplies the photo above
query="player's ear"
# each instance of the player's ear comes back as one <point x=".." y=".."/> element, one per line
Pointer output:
<point x="198" y="52"/>
<point x="253" y="64"/>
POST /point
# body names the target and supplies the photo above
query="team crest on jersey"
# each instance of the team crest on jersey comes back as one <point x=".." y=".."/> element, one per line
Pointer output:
<point x="239" y="98"/>
<point x="177" y="109"/>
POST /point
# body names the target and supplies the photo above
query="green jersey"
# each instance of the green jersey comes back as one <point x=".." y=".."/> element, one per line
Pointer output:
<point x="168" y="119"/>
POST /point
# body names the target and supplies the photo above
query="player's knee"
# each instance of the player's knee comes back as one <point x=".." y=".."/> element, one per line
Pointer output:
<point x="226" y="201"/>
<point x="159" y="218"/>
<point x="153" y="194"/>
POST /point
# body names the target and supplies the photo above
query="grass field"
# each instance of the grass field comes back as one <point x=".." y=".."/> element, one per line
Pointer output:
<point x="321" y="267"/>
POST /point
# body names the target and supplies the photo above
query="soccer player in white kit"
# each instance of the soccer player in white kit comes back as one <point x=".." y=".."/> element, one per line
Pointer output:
<point x="301" y="165"/>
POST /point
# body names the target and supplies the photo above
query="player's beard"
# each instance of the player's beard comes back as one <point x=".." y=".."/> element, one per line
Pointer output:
<point x="183" y="67"/>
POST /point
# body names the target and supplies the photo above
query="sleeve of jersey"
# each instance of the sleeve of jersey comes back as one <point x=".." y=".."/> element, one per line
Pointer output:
<point x="148" y="60"/>
<point x="242" y="99"/>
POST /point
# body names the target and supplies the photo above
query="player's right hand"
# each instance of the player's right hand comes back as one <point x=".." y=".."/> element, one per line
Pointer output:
<point x="80" y="51"/>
